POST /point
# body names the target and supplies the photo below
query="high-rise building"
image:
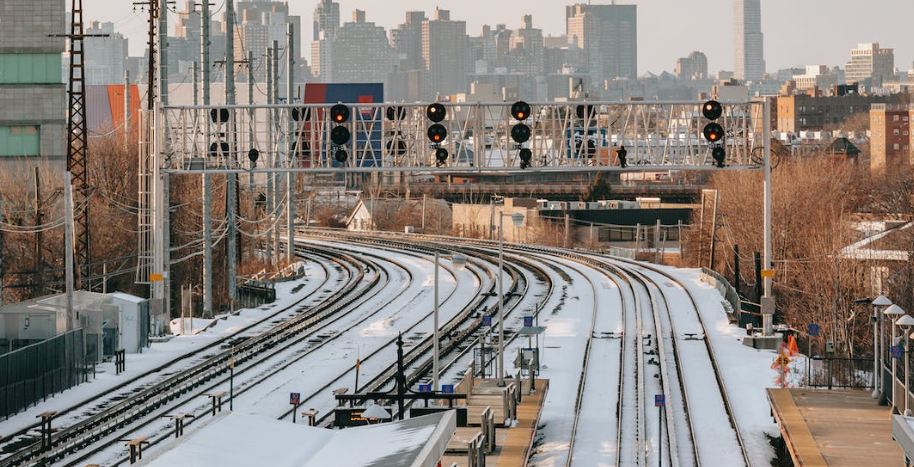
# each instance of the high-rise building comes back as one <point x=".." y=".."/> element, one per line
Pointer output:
<point x="326" y="19"/>
<point x="891" y="136"/>
<point x="32" y="93"/>
<point x="870" y="65"/>
<point x="257" y="25"/>
<point x="326" y="25"/>
<point x="749" y="57"/>
<point x="361" y="52"/>
<point x="105" y="57"/>
<point x="608" y="37"/>
<point x="526" y="47"/>
<point x="695" y="66"/>
<point x="445" y="52"/>
<point x="406" y="41"/>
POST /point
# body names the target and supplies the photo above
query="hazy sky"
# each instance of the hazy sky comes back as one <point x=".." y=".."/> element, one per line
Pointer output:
<point x="797" y="32"/>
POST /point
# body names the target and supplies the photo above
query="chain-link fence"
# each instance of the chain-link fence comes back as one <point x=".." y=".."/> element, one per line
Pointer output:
<point x="32" y="373"/>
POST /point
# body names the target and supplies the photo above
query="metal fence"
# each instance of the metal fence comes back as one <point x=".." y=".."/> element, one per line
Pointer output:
<point x="30" y="374"/>
<point x="833" y="372"/>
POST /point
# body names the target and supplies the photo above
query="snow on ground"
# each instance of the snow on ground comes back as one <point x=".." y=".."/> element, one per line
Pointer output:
<point x="746" y="371"/>
<point x="160" y="353"/>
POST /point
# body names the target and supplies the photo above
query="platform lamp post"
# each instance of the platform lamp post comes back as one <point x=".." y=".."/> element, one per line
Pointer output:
<point x="459" y="261"/>
<point x="880" y="302"/>
<point x="906" y="322"/>
<point x="892" y="313"/>
<point x="518" y="219"/>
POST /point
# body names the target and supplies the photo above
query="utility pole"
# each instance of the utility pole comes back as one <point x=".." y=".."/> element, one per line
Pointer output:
<point x="290" y="177"/>
<point x="68" y="248"/>
<point x="275" y="151"/>
<point x="39" y="261"/>
<point x="251" y="125"/>
<point x="207" y="178"/>
<point x="1" y="252"/>
<point x="271" y="197"/>
<point x="230" y="179"/>
<point x="126" y="110"/>
<point x="196" y="73"/>
<point x="77" y="134"/>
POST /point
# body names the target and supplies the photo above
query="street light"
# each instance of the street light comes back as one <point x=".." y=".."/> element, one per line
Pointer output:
<point x="879" y="302"/>
<point x="892" y="313"/>
<point x="518" y="219"/>
<point x="459" y="261"/>
<point x="376" y="412"/>
<point x="906" y="322"/>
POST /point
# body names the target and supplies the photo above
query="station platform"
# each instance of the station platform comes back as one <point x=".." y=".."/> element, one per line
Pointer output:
<point x="835" y="428"/>
<point x="513" y="439"/>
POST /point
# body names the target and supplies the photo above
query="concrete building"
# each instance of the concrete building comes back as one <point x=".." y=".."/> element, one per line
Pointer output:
<point x="257" y="25"/>
<point x="526" y="49"/>
<point x="445" y="53"/>
<point x="32" y="93"/>
<point x="695" y="66"/>
<point x="406" y="40"/>
<point x="105" y="56"/>
<point x="749" y="43"/>
<point x="361" y="52"/>
<point x="326" y="25"/>
<point x="803" y="112"/>
<point x="891" y="136"/>
<point x="608" y="36"/>
<point x="870" y="65"/>
<point x="816" y="77"/>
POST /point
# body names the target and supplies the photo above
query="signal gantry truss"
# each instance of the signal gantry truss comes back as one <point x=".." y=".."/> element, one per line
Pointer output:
<point x="477" y="137"/>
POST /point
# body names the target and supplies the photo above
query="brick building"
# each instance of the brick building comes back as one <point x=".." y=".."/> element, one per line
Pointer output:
<point x="804" y="112"/>
<point x="891" y="138"/>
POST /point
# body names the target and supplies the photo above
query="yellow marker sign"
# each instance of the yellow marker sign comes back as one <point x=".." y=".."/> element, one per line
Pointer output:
<point x="768" y="273"/>
<point x="782" y="360"/>
<point x="155" y="278"/>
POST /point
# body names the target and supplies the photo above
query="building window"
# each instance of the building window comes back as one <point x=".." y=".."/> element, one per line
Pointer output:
<point x="896" y="131"/>
<point x="19" y="141"/>
<point x="896" y="146"/>
<point x="895" y="118"/>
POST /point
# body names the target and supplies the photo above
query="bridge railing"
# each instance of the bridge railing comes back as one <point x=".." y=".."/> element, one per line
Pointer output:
<point x="393" y="136"/>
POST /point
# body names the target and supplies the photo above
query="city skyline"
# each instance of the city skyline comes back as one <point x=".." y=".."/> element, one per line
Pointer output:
<point x="784" y="24"/>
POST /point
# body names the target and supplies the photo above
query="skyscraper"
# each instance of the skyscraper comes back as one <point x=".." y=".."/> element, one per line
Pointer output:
<point x="361" y="52"/>
<point x="527" y="48"/>
<point x="870" y="65"/>
<point x="106" y="58"/>
<point x="326" y="18"/>
<point x="445" y="51"/>
<point x="608" y="37"/>
<point x="749" y="57"/>
<point x="326" y="25"/>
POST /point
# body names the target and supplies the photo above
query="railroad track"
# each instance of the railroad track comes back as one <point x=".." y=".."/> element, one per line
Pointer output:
<point x="72" y="439"/>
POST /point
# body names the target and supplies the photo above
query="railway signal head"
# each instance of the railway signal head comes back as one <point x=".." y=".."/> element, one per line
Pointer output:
<point x="712" y="110"/>
<point x="585" y="112"/>
<point x="520" y="133"/>
<point x="253" y="155"/>
<point x="396" y="113"/>
<point x="441" y="156"/>
<point x="219" y="115"/>
<point x="301" y="114"/>
<point x="340" y="135"/>
<point x="713" y="132"/>
<point x="437" y="133"/>
<point x="623" y="157"/>
<point x="339" y="113"/>
<point x="341" y="155"/>
<point x="719" y="154"/>
<point x="526" y="156"/>
<point x="436" y="112"/>
<point x="520" y="110"/>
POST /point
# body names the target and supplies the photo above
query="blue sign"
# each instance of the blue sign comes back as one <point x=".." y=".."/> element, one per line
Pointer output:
<point x="447" y="388"/>
<point x="295" y="398"/>
<point x="659" y="400"/>
<point x="528" y="321"/>
<point x="425" y="388"/>
<point x="896" y="351"/>
<point x="813" y="329"/>
<point x="487" y="320"/>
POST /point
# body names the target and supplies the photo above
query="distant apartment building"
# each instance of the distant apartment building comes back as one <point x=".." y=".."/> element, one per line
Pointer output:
<point x="695" y="66"/>
<point x="32" y="93"/>
<point x="891" y="138"/>
<point x="526" y="48"/>
<point x="361" y="52"/>
<point x="608" y="37"/>
<point x="802" y="112"/>
<point x="445" y="53"/>
<point x="870" y="65"/>
<point x="105" y="56"/>
<point x="816" y="77"/>
<point x="406" y="40"/>
<point x="326" y="25"/>
<point x="749" y="50"/>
